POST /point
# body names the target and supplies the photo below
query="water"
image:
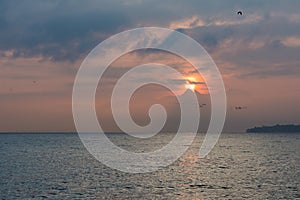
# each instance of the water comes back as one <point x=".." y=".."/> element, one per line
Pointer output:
<point x="241" y="166"/>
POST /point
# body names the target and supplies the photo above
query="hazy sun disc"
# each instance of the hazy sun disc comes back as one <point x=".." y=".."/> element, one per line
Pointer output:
<point x="190" y="86"/>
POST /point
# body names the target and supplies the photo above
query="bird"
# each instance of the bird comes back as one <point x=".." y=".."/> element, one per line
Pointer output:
<point x="239" y="13"/>
<point x="240" y="107"/>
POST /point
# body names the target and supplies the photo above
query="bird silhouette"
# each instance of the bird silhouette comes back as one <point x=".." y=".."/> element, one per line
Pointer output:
<point x="239" y="13"/>
<point x="240" y="107"/>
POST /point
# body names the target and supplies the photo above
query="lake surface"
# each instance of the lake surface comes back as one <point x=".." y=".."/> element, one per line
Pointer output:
<point x="241" y="166"/>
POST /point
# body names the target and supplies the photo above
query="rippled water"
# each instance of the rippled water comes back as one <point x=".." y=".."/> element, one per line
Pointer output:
<point x="241" y="166"/>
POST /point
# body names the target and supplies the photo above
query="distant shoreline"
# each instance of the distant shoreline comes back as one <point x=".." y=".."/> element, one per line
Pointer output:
<point x="289" y="128"/>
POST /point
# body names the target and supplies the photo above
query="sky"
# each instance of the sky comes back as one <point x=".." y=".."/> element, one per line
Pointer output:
<point x="43" y="43"/>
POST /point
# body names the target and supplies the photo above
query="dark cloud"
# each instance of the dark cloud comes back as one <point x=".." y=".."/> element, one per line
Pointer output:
<point x="183" y="81"/>
<point x="211" y="36"/>
<point x="68" y="30"/>
<point x="196" y="82"/>
<point x="61" y="30"/>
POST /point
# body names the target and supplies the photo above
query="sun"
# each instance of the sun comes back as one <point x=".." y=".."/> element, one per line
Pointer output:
<point x="194" y="83"/>
<point x="190" y="86"/>
<point x="189" y="83"/>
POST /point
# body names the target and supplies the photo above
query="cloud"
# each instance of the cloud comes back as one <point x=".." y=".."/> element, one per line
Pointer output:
<point x="292" y="41"/>
<point x="196" y="82"/>
<point x="267" y="47"/>
<point x="61" y="30"/>
<point x="188" y="23"/>
<point x="67" y="30"/>
<point x="198" y="21"/>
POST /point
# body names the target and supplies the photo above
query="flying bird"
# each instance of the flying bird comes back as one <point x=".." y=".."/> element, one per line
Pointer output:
<point x="240" y="107"/>
<point x="239" y="13"/>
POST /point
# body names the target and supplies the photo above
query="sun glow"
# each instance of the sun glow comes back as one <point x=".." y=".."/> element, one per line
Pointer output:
<point x="189" y="83"/>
